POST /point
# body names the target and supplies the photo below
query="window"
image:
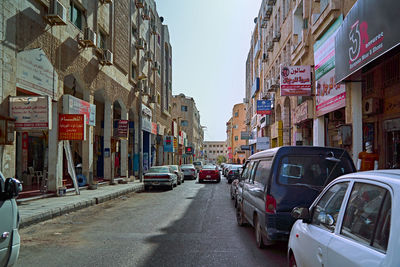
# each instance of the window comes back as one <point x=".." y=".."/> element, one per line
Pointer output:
<point x="368" y="213"/>
<point x="102" y="40"/>
<point x="326" y="212"/>
<point x="184" y="108"/>
<point x="262" y="172"/>
<point x="236" y="114"/>
<point x="314" y="170"/>
<point x="184" y="123"/>
<point x="236" y="138"/>
<point x="247" y="170"/>
<point x="76" y="15"/>
<point x="133" y="71"/>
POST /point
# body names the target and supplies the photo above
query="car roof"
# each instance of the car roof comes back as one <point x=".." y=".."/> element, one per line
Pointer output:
<point x="389" y="176"/>
<point x="293" y="149"/>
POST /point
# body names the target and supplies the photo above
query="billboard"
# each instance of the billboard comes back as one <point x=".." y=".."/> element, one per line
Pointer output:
<point x="295" y="81"/>
<point x="264" y="107"/>
<point x="31" y="113"/>
<point x="71" y="127"/>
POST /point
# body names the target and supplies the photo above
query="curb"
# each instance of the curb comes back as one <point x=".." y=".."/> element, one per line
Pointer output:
<point x="67" y="208"/>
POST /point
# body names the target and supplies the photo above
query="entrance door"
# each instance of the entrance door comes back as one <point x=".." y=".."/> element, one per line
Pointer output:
<point x="393" y="150"/>
<point x="100" y="159"/>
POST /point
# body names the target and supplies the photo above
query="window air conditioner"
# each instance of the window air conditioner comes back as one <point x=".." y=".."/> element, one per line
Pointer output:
<point x="89" y="37"/>
<point x="148" y="56"/>
<point x="140" y="43"/>
<point x="276" y="36"/>
<point x="265" y="57"/>
<point x="139" y="3"/>
<point x="270" y="46"/>
<point x="58" y="14"/>
<point x="156" y="65"/>
<point x="371" y="106"/>
<point x="107" y="57"/>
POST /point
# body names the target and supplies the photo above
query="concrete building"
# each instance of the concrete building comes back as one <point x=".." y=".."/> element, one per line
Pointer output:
<point x="238" y="126"/>
<point x="187" y="116"/>
<point x="213" y="150"/>
<point x="110" y="61"/>
<point x="229" y="139"/>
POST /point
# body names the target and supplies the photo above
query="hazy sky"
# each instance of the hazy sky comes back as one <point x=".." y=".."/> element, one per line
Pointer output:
<point x="210" y="40"/>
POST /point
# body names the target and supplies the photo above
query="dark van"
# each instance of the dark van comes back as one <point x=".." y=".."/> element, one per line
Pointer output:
<point x="275" y="181"/>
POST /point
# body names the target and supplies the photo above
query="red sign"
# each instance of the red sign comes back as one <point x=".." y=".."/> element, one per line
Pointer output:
<point x="154" y="128"/>
<point x="122" y="128"/>
<point x="71" y="127"/>
<point x="295" y="80"/>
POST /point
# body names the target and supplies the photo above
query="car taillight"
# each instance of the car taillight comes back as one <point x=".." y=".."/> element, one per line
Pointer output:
<point x="270" y="204"/>
<point x="216" y="171"/>
<point x="193" y="170"/>
<point x="230" y="172"/>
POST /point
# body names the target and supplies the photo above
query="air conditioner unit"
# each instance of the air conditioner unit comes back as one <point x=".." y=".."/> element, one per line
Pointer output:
<point x="371" y="106"/>
<point x="148" y="56"/>
<point x="58" y="14"/>
<point x="140" y="43"/>
<point x="264" y="24"/>
<point x="271" y="2"/>
<point x="268" y="10"/>
<point x="270" y="46"/>
<point x="139" y="3"/>
<point x="337" y="115"/>
<point x="106" y="1"/>
<point x="245" y="100"/>
<point x="153" y="99"/>
<point x="107" y="57"/>
<point x="89" y="38"/>
<point x="276" y="36"/>
<point x="265" y="57"/>
<point x="275" y="82"/>
<point x="146" y="13"/>
<point x="153" y="28"/>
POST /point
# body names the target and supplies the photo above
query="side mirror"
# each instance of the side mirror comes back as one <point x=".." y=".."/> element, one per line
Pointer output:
<point x="12" y="187"/>
<point x="301" y="213"/>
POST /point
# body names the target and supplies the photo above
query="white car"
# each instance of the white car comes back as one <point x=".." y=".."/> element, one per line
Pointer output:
<point x="351" y="223"/>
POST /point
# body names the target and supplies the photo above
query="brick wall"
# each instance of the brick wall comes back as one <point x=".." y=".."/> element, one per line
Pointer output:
<point x="122" y="34"/>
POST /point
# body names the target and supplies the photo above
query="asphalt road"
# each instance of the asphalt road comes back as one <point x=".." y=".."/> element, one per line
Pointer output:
<point x="193" y="225"/>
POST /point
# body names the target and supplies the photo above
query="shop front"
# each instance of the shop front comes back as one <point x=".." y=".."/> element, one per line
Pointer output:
<point x="277" y="134"/>
<point x="372" y="55"/>
<point x="146" y="133"/>
<point x="303" y="115"/>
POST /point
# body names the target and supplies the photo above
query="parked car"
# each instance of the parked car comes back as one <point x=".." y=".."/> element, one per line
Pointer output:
<point x="236" y="189"/>
<point x="233" y="172"/>
<point x="351" y="223"/>
<point x="160" y="176"/>
<point x="189" y="171"/>
<point x="9" y="236"/>
<point x="279" y="179"/>
<point x="209" y="173"/>
<point x="198" y="165"/>
<point x="178" y="172"/>
<point x="225" y="169"/>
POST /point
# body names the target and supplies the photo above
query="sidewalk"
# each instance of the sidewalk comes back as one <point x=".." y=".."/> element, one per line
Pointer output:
<point x="47" y="208"/>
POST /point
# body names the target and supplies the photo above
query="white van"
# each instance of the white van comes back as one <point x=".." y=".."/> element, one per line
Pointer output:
<point x="9" y="236"/>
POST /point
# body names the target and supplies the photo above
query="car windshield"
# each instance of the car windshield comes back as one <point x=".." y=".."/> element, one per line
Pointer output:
<point x="314" y="170"/>
<point x="187" y="166"/>
<point x="209" y="167"/>
<point x="196" y="163"/>
<point x="158" y="170"/>
<point x="173" y="167"/>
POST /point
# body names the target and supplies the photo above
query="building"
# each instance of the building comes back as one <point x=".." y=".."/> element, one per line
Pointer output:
<point x="238" y="127"/>
<point x="187" y="117"/>
<point x="105" y="65"/>
<point x="213" y="150"/>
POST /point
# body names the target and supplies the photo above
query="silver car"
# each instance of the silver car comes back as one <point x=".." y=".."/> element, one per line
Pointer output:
<point x="178" y="172"/>
<point x="9" y="220"/>
<point x="160" y="176"/>
<point x="189" y="171"/>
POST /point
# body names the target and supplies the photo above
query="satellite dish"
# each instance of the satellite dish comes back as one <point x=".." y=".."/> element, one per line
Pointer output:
<point x="255" y="20"/>
<point x="162" y="19"/>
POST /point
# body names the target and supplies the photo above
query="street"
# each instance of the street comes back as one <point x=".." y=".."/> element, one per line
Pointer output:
<point x="192" y="225"/>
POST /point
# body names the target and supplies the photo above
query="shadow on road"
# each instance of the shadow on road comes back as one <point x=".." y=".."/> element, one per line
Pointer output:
<point x="207" y="234"/>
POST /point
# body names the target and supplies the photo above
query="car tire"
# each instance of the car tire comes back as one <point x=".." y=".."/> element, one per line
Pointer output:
<point x="146" y="188"/>
<point x="240" y="219"/>
<point x="259" y="238"/>
<point x="179" y="182"/>
<point x="171" y="187"/>
<point x="232" y="197"/>
<point x="292" y="260"/>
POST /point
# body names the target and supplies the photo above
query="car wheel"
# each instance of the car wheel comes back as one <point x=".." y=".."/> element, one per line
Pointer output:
<point x="171" y="187"/>
<point x="236" y="204"/>
<point x="292" y="260"/>
<point x="241" y="221"/>
<point x="176" y="184"/>
<point x="259" y="238"/>
<point x="232" y="197"/>
<point x="146" y="188"/>
<point x="179" y="182"/>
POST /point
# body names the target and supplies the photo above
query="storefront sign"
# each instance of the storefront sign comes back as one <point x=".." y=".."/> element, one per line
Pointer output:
<point x="74" y="105"/>
<point x="7" y="128"/>
<point x="121" y="130"/>
<point x="245" y="147"/>
<point x="362" y="38"/>
<point x="175" y="144"/>
<point x="31" y="113"/>
<point x="295" y="80"/>
<point x="168" y="143"/>
<point x="189" y="150"/>
<point x="324" y="50"/>
<point x="146" y="119"/>
<point x="263" y="143"/>
<point x="71" y="127"/>
<point x="329" y="96"/>
<point x="245" y="135"/>
<point x="264" y="107"/>
<point x="154" y="128"/>
<point x="36" y="74"/>
<point x="303" y="112"/>
<point x="276" y="129"/>
<point x="265" y="120"/>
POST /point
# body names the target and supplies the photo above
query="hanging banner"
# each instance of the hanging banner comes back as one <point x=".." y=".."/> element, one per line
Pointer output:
<point x="36" y="74"/>
<point x="31" y="113"/>
<point x="168" y="143"/>
<point x="71" y="127"/>
<point x="362" y="38"/>
<point x="146" y="119"/>
<point x="74" y="105"/>
<point x="295" y="81"/>
<point x="264" y="107"/>
<point x="154" y="128"/>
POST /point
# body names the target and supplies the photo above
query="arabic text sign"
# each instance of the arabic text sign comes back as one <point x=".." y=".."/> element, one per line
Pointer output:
<point x="71" y="127"/>
<point x="36" y="74"/>
<point x="31" y="112"/>
<point x="330" y="96"/>
<point x="264" y="107"/>
<point x="295" y="80"/>
<point x="122" y="128"/>
<point x="74" y="105"/>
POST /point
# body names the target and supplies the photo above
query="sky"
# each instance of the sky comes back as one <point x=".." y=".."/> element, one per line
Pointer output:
<point x="210" y="41"/>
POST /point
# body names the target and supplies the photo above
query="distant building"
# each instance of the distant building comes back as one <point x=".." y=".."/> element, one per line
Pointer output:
<point x="214" y="149"/>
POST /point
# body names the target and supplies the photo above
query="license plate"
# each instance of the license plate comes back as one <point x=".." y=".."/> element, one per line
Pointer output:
<point x="155" y="183"/>
<point x="208" y="176"/>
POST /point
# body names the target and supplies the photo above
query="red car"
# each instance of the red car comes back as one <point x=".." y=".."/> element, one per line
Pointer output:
<point x="209" y="173"/>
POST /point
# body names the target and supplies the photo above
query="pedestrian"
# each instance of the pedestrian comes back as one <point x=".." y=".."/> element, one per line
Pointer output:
<point x="116" y="164"/>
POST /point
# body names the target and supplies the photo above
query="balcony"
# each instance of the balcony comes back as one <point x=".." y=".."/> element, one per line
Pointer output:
<point x="300" y="46"/>
<point x="329" y="12"/>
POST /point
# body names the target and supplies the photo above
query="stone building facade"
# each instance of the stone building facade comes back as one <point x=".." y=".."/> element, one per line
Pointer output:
<point x="213" y="150"/>
<point x="109" y="60"/>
